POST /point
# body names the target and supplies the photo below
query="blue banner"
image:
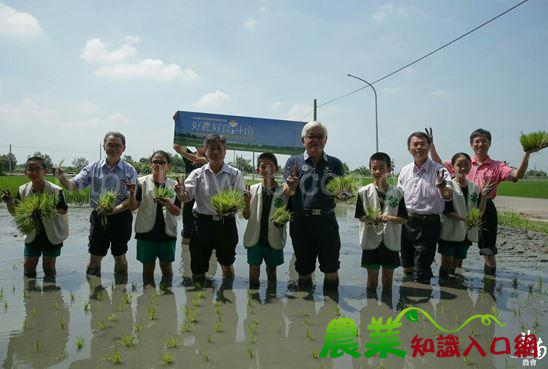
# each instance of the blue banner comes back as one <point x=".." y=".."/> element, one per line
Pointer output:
<point x="241" y="133"/>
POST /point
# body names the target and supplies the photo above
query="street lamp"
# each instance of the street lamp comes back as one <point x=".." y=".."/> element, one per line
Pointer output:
<point x="376" y="119"/>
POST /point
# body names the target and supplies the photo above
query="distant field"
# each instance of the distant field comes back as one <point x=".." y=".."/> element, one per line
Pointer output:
<point x="12" y="183"/>
<point x="536" y="188"/>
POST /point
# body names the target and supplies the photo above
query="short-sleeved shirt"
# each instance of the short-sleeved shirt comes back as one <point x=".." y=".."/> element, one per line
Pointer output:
<point x="311" y="192"/>
<point x="360" y="211"/>
<point x="419" y="190"/>
<point x="99" y="177"/>
<point x="489" y="171"/>
<point x="203" y="183"/>
<point x="158" y="232"/>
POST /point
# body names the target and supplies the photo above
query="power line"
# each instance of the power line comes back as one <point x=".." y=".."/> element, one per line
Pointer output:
<point x="419" y="59"/>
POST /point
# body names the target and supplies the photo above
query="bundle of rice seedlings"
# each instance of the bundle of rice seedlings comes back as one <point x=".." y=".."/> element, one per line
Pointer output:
<point x="473" y="219"/>
<point x="343" y="188"/>
<point x="280" y="216"/>
<point x="228" y="201"/>
<point x="105" y="205"/>
<point x="163" y="193"/>
<point x="534" y="140"/>
<point x="33" y="209"/>
<point x="373" y="215"/>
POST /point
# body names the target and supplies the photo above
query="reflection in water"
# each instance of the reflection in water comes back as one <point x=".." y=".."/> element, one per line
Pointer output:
<point x="42" y="341"/>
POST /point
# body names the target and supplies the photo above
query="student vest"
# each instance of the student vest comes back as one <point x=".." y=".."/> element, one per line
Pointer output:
<point x="276" y="236"/>
<point x="146" y="214"/>
<point x="371" y="236"/>
<point x="457" y="230"/>
<point x="56" y="228"/>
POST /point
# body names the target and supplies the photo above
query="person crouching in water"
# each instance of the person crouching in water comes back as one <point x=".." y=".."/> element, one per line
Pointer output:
<point x="456" y="234"/>
<point x="263" y="239"/>
<point x="158" y="207"/>
<point x="381" y="212"/>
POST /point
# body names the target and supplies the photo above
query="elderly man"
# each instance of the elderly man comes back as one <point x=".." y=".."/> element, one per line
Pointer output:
<point x="108" y="174"/>
<point x="314" y="229"/>
<point x="425" y="188"/>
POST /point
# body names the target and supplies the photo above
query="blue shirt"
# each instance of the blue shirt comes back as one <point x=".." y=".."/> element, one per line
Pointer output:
<point x="99" y="177"/>
<point x="311" y="192"/>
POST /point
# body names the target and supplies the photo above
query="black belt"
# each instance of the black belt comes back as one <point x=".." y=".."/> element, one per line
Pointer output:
<point x="212" y="218"/>
<point x="423" y="216"/>
<point x="314" y="212"/>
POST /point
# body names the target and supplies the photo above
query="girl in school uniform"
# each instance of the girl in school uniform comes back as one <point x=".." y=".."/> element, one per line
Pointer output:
<point x="380" y="239"/>
<point x="456" y="236"/>
<point x="156" y="221"/>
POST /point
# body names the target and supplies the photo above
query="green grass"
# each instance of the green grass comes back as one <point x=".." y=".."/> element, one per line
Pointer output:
<point x="514" y="220"/>
<point x="536" y="188"/>
<point x="12" y="183"/>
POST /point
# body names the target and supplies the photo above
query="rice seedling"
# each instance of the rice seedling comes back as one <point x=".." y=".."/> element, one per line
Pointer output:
<point x="100" y="295"/>
<point x="128" y="341"/>
<point x="72" y="297"/>
<point x="515" y="282"/>
<point x="172" y="342"/>
<point x="250" y="350"/>
<point x="473" y="218"/>
<point x="137" y="327"/>
<point x="309" y="336"/>
<point x="101" y="326"/>
<point x="218" y="303"/>
<point x="197" y="301"/>
<point x="116" y="357"/>
<point x="473" y="330"/>
<point x="467" y="360"/>
<point x="187" y="327"/>
<point x="2" y="293"/>
<point x="205" y="356"/>
<point x="25" y="324"/>
<point x="218" y="311"/>
<point x="112" y="317"/>
<point x="163" y="193"/>
<point x="105" y="205"/>
<point x="87" y="307"/>
<point x="62" y="324"/>
<point x="536" y="323"/>
<point x="229" y="201"/>
<point x="209" y="338"/>
<point x="79" y="342"/>
<point x="250" y="303"/>
<point x="280" y="216"/>
<point x="306" y="320"/>
<point x="154" y="298"/>
<point x="338" y="311"/>
<point x="539" y="283"/>
<point x="219" y="327"/>
<point x="36" y="346"/>
<point x="192" y="316"/>
<point x="373" y="215"/>
<point x="126" y="297"/>
<point x="315" y="353"/>
<point x="5" y="305"/>
<point x="13" y="289"/>
<point x="32" y="210"/>
<point x="342" y="188"/>
<point x="494" y="311"/>
<point x="530" y="286"/>
<point x="120" y="307"/>
<point x="25" y="294"/>
<point x="56" y="307"/>
<point x="534" y="140"/>
<point x="152" y="315"/>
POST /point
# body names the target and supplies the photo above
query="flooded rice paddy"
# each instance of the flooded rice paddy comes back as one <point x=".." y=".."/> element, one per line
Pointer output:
<point x="76" y="321"/>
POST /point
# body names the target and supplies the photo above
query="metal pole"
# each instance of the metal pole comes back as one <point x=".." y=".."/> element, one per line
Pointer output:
<point x="99" y="151"/>
<point x="315" y="109"/>
<point x="376" y="116"/>
<point x="253" y="171"/>
<point x="9" y="162"/>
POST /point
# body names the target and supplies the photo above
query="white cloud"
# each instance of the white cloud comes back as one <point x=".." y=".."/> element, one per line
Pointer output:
<point x="299" y="112"/>
<point x="212" y="101"/>
<point x="276" y="106"/>
<point x="264" y="10"/>
<point x="250" y="24"/>
<point x="96" y="51"/>
<point x="391" y="90"/>
<point x="384" y="11"/>
<point x="14" y="23"/>
<point x="439" y="93"/>
<point x="151" y="69"/>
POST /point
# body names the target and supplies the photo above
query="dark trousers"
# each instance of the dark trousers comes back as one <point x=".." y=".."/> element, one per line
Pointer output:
<point x="188" y="219"/>
<point x="419" y="238"/>
<point x="487" y="237"/>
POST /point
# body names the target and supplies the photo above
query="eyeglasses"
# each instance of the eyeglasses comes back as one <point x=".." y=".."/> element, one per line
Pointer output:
<point x="318" y="138"/>
<point x="114" y="146"/>
<point x="159" y="162"/>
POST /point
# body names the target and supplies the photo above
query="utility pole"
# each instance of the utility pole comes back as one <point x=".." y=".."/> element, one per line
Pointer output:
<point x="315" y="109"/>
<point x="9" y="161"/>
<point x="99" y="151"/>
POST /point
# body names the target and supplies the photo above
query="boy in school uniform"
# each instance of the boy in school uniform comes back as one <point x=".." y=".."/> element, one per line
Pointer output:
<point x="263" y="239"/>
<point x="211" y="230"/>
<point x="109" y="174"/>
<point x="484" y="172"/>
<point x="47" y="239"/>
<point x="380" y="242"/>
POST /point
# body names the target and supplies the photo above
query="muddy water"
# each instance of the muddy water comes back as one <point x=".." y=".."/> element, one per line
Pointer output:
<point x="230" y="326"/>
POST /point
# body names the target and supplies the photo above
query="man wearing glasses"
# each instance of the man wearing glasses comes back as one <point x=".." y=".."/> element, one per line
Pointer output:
<point x="109" y="174"/>
<point x="314" y="229"/>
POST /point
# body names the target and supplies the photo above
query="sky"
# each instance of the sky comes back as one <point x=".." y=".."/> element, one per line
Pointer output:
<point x="72" y="70"/>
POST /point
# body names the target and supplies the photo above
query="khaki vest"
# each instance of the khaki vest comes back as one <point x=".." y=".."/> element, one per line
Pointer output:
<point x="371" y="236"/>
<point x="276" y="236"/>
<point x="146" y="214"/>
<point x="56" y="228"/>
<point x="456" y="230"/>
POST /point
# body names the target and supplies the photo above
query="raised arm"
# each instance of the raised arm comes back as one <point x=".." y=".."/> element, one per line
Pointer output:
<point x="181" y="150"/>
